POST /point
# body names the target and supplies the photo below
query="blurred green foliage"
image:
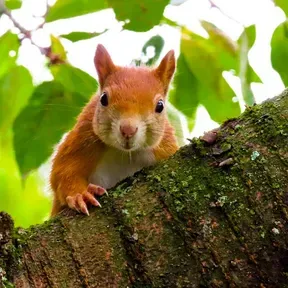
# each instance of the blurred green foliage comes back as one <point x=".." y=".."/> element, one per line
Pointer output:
<point x="33" y="118"/>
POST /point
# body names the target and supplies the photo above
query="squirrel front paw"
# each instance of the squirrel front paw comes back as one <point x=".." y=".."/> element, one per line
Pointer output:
<point x="80" y="201"/>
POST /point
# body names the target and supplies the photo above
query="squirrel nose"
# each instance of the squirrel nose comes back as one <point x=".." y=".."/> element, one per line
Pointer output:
<point x="128" y="130"/>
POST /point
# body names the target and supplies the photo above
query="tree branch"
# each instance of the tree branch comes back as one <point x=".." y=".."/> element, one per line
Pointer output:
<point x="44" y="15"/>
<point x="190" y="221"/>
<point x="27" y="33"/>
<point x="214" y="5"/>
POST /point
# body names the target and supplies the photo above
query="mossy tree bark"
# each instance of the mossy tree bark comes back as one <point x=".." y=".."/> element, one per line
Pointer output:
<point x="213" y="215"/>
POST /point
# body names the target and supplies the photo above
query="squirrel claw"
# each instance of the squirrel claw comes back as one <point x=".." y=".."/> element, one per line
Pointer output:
<point x="79" y="202"/>
<point x="96" y="190"/>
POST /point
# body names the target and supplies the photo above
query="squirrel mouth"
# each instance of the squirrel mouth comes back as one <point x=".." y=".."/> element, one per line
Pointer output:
<point x="127" y="146"/>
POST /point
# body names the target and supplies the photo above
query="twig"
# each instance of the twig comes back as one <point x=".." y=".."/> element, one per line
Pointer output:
<point x="214" y="5"/>
<point x="16" y="24"/>
<point x="43" y="16"/>
<point x="54" y="58"/>
<point x="27" y="33"/>
<point x="47" y="9"/>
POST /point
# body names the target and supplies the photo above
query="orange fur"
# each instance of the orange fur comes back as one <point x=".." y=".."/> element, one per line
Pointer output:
<point x="134" y="93"/>
<point x="75" y="159"/>
<point x="168" y="145"/>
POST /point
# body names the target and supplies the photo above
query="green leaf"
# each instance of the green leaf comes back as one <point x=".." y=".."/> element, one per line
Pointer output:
<point x="176" y="121"/>
<point x="142" y="15"/>
<point x="10" y="182"/>
<point x="15" y="89"/>
<point x="250" y="33"/>
<point x="13" y="4"/>
<point x="50" y="113"/>
<point x="219" y="103"/>
<point x="24" y="201"/>
<point x="8" y="43"/>
<point x="283" y="4"/>
<point x="213" y="91"/>
<point x="279" y="51"/>
<point x="245" y="71"/>
<point x="228" y="50"/>
<point x="74" y="80"/>
<point x="225" y="48"/>
<point x="78" y="36"/>
<point x="35" y="205"/>
<point x="168" y="21"/>
<point x="158" y="43"/>
<point x="57" y="48"/>
<point x="201" y="59"/>
<point x="184" y="96"/>
<point x="234" y="55"/>
<point x="64" y="9"/>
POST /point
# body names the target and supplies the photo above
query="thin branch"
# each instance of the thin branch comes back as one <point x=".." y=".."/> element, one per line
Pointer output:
<point x="16" y="24"/>
<point x="214" y="5"/>
<point x="47" y="9"/>
<point x="43" y="16"/>
<point x="54" y="58"/>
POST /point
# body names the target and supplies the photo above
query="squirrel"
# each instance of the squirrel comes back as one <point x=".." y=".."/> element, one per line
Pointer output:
<point x="122" y="129"/>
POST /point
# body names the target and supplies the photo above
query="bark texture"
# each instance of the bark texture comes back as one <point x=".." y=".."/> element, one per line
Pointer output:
<point x="213" y="215"/>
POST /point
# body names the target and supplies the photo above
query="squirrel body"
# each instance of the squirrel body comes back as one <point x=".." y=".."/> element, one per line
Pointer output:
<point x="122" y="129"/>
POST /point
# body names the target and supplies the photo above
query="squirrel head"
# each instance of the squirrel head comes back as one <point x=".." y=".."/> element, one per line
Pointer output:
<point x="131" y="102"/>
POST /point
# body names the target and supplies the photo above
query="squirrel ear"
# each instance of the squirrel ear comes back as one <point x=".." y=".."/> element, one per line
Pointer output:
<point x="103" y="64"/>
<point x="166" y="69"/>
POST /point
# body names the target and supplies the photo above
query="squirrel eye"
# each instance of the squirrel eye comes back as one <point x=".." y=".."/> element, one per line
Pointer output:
<point x="104" y="99"/>
<point x="159" y="106"/>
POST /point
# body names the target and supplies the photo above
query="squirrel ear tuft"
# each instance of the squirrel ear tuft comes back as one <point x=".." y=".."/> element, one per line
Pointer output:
<point x="103" y="64"/>
<point x="166" y="69"/>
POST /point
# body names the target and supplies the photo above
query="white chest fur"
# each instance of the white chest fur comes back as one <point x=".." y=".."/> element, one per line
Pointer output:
<point x="116" y="165"/>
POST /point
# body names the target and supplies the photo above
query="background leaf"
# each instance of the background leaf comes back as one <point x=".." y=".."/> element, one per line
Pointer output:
<point x="184" y="95"/>
<point x="24" y="200"/>
<point x="245" y="71"/>
<point x="142" y="15"/>
<point x="234" y="55"/>
<point x="250" y="33"/>
<point x="176" y="121"/>
<point x="222" y="45"/>
<point x="279" y="51"/>
<point x="57" y="48"/>
<point x="158" y="43"/>
<point x="283" y="4"/>
<point x="50" y="113"/>
<point x="64" y="9"/>
<point x="213" y="90"/>
<point x="74" y="79"/>
<point x="78" y="36"/>
<point x="13" y="4"/>
<point x="8" y="42"/>
<point x="15" y="90"/>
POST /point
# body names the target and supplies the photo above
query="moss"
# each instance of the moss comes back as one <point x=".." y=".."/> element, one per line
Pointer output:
<point x="6" y="283"/>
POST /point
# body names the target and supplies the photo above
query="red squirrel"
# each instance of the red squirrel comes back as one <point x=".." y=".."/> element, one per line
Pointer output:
<point x="121" y="130"/>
